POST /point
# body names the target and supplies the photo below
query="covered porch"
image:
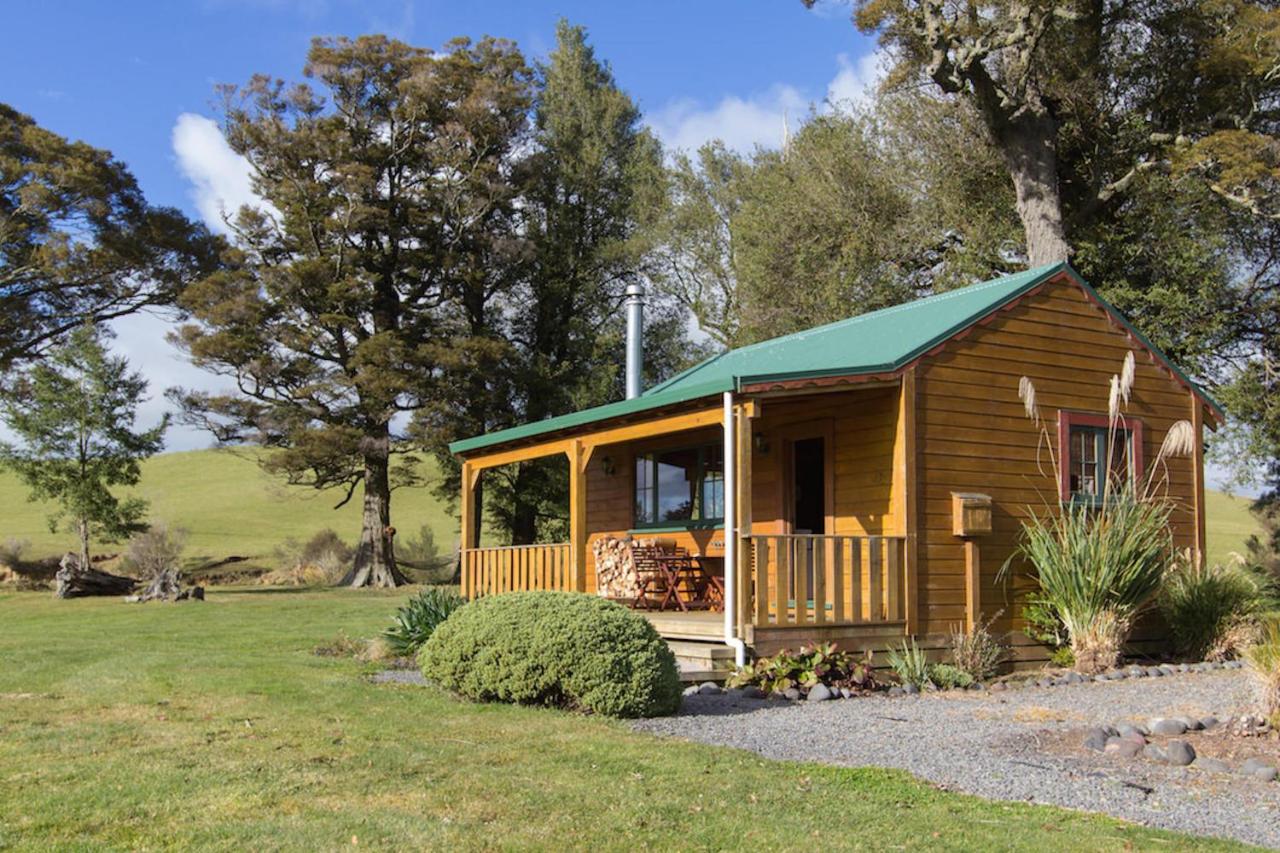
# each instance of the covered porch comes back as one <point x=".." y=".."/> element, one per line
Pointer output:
<point x="802" y="495"/>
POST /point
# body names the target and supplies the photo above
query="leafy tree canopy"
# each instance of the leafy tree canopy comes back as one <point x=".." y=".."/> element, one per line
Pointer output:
<point x="79" y="242"/>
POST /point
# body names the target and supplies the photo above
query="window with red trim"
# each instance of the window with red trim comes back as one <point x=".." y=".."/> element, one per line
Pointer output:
<point x="1091" y="450"/>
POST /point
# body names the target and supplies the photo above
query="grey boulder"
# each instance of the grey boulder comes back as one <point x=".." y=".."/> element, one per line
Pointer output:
<point x="819" y="693"/>
<point x="1166" y="727"/>
<point x="1180" y="753"/>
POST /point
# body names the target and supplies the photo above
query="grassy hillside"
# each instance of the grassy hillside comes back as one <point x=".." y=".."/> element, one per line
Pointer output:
<point x="230" y="507"/>
<point x="1228" y="524"/>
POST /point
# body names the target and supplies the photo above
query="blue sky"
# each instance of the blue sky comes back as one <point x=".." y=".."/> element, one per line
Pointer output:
<point x="138" y="78"/>
<point x="118" y="75"/>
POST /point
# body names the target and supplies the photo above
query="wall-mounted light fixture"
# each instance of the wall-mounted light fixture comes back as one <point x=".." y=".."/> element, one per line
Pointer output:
<point x="608" y="466"/>
<point x="761" y="443"/>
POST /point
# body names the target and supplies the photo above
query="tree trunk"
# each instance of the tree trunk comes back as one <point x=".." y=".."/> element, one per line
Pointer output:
<point x="1029" y="146"/>
<point x="375" y="560"/>
<point x="82" y="529"/>
<point x="524" y="515"/>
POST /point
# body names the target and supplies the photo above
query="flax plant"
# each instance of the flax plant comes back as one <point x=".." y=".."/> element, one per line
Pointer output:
<point x="1100" y="564"/>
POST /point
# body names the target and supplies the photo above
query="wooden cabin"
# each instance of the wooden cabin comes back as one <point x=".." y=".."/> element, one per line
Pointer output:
<point x="861" y="481"/>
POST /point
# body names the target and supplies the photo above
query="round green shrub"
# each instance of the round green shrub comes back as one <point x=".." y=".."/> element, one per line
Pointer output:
<point x="560" y="649"/>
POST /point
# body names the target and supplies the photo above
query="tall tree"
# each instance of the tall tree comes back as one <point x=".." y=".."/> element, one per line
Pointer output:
<point x="859" y="211"/>
<point x="79" y="242"/>
<point x="694" y="259"/>
<point x="547" y="339"/>
<point x="328" y="317"/>
<point x="818" y="233"/>
<point x="1083" y="96"/>
<point x="73" y="414"/>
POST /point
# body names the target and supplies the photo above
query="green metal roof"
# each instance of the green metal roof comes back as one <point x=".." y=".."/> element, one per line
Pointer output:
<point x="879" y="342"/>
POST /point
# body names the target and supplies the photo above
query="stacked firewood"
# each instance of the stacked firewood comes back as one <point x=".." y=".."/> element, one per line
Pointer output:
<point x="615" y="569"/>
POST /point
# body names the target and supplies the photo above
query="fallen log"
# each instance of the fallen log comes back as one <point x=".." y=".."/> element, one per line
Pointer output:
<point x="167" y="586"/>
<point x="77" y="582"/>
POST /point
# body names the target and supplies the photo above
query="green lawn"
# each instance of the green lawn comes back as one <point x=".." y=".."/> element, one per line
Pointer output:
<point x="230" y="507"/>
<point x="214" y="726"/>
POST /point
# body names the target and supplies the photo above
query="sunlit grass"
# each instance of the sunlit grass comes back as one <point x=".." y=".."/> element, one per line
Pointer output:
<point x="214" y="725"/>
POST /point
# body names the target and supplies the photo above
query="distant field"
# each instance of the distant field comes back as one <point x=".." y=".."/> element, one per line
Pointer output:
<point x="1228" y="523"/>
<point x="230" y="507"/>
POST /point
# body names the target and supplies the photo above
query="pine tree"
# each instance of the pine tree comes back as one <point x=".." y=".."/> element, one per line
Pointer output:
<point x="73" y="414"/>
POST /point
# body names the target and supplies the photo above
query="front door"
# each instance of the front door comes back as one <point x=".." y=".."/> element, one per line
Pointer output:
<point x="809" y="485"/>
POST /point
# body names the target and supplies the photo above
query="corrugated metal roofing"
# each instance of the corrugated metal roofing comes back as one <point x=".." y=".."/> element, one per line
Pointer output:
<point x="877" y="342"/>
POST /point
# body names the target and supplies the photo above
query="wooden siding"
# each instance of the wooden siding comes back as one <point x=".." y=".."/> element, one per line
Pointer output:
<point x="864" y="429"/>
<point x="974" y="436"/>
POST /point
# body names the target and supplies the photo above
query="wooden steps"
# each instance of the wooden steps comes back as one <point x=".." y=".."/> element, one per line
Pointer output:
<point x="702" y="661"/>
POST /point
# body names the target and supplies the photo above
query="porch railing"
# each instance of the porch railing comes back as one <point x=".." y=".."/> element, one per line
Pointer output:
<point x="516" y="568"/>
<point x="811" y="579"/>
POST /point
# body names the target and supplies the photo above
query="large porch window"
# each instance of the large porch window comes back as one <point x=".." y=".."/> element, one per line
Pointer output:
<point x="680" y="486"/>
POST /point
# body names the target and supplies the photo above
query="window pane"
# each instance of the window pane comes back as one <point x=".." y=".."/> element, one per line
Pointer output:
<point x="644" y="490"/>
<point x="1083" y="465"/>
<point x="712" y="483"/>
<point x="677" y="473"/>
<point x="1120" y="466"/>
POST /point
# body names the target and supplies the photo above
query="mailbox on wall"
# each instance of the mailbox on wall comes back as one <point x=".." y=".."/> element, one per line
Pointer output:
<point x="970" y="514"/>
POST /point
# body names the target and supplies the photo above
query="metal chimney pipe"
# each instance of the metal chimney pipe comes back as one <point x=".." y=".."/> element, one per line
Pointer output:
<point x="635" y="339"/>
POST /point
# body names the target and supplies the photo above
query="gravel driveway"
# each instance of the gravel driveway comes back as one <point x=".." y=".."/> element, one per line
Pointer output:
<point x="1013" y="745"/>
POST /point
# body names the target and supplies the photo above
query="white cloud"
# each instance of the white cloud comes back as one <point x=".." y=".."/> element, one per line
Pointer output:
<point x="219" y="176"/>
<point x="741" y="123"/>
<point x="744" y="122"/>
<point x="141" y="339"/>
<point x="857" y="80"/>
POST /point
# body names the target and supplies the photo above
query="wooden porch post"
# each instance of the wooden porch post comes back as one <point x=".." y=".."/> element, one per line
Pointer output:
<point x="468" y="539"/>
<point x="578" y="458"/>
<point x="1197" y="475"/>
<point x="907" y="400"/>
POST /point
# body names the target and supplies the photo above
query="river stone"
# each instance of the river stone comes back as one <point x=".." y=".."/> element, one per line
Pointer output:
<point x="910" y="689"/>
<point x="819" y="693"/>
<point x="1137" y="672"/>
<point x="1127" y="731"/>
<point x="1182" y="667"/>
<point x="1180" y="753"/>
<point x="1211" y="765"/>
<point x="791" y="693"/>
<point x="753" y="692"/>
<point x="1153" y="752"/>
<point x="846" y="693"/>
<point x="1209" y="723"/>
<point x="999" y="687"/>
<point x="1258" y="769"/>
<point x="1123" y="748"/>
<point x="710" y="688"/>
<point x="1234" y="664"/>
<point x="1155" y="672"/>
<point x="1192" y="724"/>
<point x="1166" y="727"/>
<point x="897" y="691"/>
<point x="1096" y="739"/>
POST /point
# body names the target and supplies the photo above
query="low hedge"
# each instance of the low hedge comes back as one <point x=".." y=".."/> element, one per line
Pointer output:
<point x="559" y="649"/>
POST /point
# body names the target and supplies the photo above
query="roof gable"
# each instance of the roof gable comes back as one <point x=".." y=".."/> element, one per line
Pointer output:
<point x="883" y="341"/>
